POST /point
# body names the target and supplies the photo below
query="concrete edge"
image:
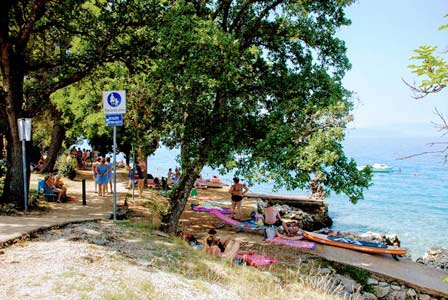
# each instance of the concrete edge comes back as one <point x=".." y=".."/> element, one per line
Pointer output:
<point x="380" y="276"/>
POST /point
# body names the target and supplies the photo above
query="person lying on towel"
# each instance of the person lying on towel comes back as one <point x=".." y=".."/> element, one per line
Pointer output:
<point x="291" y="228"/>
<point x="215" y="247"/>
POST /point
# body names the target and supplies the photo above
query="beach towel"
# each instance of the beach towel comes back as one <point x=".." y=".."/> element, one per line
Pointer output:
<point x="223" y="218"/>
<point x="293" y="243"/>
<point x="250" y="224"/>
<point x="205" y="209"/>
<point x="255" y="259"/>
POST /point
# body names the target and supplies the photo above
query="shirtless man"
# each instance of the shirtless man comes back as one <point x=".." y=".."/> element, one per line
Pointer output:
<point x="271" y="215"/>
<point x="237" y="190"/>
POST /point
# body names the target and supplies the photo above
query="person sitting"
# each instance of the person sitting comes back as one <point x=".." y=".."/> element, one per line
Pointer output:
<point x="49" y="182"/>
<point x="215" y="247"/>
<point x="157" y="183"/>
<point x="271" y="215"/>
<point x="213" y="244"/>
<point x="60" y="184"/>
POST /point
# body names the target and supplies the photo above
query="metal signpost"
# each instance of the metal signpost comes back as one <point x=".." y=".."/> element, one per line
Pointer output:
<point x="24" y="135"/>
<point x="114" y="103"/>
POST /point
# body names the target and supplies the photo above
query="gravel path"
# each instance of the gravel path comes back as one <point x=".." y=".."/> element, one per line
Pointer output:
<point x="95" y="261"/>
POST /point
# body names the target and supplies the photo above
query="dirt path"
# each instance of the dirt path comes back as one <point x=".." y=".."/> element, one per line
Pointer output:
<point x="61" y="213"/>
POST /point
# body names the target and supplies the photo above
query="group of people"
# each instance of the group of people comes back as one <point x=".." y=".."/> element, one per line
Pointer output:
<point x="173" y="177"/>
<point x="102" y="176"/>
<point x="55" y="184"/>
<point x="137" y="176"/>
<point x="83" y="156"/>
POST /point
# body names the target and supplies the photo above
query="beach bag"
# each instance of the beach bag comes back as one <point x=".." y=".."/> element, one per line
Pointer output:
<point x="270" y="232"/>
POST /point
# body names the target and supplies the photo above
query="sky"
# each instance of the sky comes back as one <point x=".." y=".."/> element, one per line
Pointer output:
<point x="380" y="40"/>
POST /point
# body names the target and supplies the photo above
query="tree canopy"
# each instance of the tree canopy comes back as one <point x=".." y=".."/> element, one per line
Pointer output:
<point x="252" y="86"/>
<point x="257" y="86"/>
<point x="432" y="69"/>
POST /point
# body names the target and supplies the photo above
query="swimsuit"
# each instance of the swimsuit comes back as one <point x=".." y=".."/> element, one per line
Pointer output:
<point x="236" y="198"/>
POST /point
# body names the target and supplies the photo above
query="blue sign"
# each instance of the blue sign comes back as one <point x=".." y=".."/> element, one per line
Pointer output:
<point x="114" y="99"/>
<point x="114" y="102"/>
<point x="114" y="120"/>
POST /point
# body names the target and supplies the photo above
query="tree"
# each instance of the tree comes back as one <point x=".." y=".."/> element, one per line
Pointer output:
<point x="82" y="111"/>
<point x="257" y="85"/>
<point x="47" y="45"/>
<point x="433" y="71"/>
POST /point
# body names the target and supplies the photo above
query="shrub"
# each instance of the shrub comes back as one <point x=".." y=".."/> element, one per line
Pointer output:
<point x="8" y="209"/>
<point x="2" y="167"/>
<point x="67" y="166"/>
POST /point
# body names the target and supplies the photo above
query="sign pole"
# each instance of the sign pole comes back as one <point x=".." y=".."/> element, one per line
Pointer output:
<point x="115" y="173"/>
<point x="114" y="103"/>
<point x="133" y="172"/>
<point x="25" y="188"/>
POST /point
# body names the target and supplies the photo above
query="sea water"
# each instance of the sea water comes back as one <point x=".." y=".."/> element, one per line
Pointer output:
<point x="410" y="201"/>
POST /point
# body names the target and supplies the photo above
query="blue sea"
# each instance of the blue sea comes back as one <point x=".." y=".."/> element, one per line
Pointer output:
<point x="411" y="201"/>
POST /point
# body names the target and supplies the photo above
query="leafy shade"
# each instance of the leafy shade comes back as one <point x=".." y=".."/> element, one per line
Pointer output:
<point x="257" y="86"/>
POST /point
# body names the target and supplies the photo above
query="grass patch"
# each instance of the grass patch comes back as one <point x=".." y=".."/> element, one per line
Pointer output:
<point x="359" y="275"/>
<point x="204" y="273"/>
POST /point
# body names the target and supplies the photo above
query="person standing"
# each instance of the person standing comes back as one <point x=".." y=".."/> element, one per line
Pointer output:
<point x="101" y="177"/>
<point x="95" y="172"/>
<point x="170" y="174"/>
<point x="237" y="190"/>
<point x="141" y="172"/>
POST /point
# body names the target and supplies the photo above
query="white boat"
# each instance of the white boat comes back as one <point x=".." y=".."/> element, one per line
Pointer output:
<point x="377" y="168"/>
<point x="381" y="168"/>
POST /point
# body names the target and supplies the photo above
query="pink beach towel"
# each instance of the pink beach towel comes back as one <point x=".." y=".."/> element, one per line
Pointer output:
<point x="256" y="260"/>
<point x="223" y="218"/>
<point x="204" y="209"/>
<point x="293" y="243"/>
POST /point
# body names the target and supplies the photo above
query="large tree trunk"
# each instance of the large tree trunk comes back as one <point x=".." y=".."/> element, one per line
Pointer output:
<point x="12" y="68"/>
<point x="2" y="145"/>
<point x="57" y="138"/>
<point x="179" y="198"/>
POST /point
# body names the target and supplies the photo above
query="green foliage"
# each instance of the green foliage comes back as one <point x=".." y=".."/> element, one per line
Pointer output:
<point x="258" y="87"/>
<point x="359" y="275"/>
<point x="8" y="209"/>
<point x="2" y="167"/>
<point x="67" y="166"/>
<point x="432" y="68"/>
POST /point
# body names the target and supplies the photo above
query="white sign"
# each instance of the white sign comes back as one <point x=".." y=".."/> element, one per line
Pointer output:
<point x="114" y="102"/>
<point x="24" y="124"/>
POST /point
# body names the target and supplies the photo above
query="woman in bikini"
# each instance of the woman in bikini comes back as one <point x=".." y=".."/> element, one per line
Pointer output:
<point x="237" y="190"/>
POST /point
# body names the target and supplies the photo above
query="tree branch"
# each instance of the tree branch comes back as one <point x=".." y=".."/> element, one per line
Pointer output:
<point x="36" y="13"/>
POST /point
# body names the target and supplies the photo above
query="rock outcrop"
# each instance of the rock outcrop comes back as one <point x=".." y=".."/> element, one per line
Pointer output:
<point x="436" y="257"/>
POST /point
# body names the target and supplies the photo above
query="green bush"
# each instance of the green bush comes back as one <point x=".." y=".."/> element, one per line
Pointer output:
<point x="2" y="167"/>
<point x="8" y="209"/>
<point x="67" y="166"/>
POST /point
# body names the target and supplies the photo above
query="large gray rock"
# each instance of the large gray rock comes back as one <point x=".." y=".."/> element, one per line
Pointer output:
<point x="397" y="295"/>
<point x="349" y="284"/>
<point x="381" y="291"/>
<point x="369" y="296"/>
<point x="412" y="293"/>
<point x="436" y="257"/>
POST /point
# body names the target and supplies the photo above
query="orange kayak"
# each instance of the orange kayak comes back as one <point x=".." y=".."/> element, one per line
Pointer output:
<point x="367" y="247"/>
